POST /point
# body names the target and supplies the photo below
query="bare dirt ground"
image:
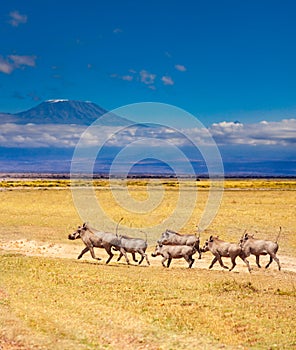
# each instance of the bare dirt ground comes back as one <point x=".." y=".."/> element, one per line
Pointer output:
<point x="71" y="251"/>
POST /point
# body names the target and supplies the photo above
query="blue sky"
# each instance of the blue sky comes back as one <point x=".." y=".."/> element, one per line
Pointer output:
<point x="231" y="63"/>
<point x="219" y="60"/>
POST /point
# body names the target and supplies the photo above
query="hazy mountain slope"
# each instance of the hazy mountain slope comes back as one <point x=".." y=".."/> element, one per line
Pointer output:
<point x="67" y="112"/>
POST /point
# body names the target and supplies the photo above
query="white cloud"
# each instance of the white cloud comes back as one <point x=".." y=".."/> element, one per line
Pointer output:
<point x="12" y="62"/>
<point x="167" y="80"/>
<point x="16" y="18"/>
<point x="5" y="66"/>
<point x="180" y="68"/>
<point x="127" y="77"/>
<point x="147" y="77"/>
<point x="19" y="61"/>
<point x="263" y="133"/>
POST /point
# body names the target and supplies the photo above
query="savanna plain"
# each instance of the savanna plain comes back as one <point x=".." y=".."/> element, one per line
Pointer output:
<point x="51" y="300"/>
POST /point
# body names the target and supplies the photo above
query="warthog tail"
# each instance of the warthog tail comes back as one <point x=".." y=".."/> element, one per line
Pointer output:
<point x="116" y="232"/>
<point x="278" y="236"/>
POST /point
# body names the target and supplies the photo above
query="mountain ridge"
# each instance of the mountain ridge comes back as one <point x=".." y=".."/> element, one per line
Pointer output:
<point x="61" y="111"/>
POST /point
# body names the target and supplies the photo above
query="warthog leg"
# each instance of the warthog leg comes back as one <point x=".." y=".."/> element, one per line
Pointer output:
<point x="120" y="256"/>
<point x="273" y="257"/>
<point x="257" y="261"/>
<point x="233" y="263"/>
<point x="143" y="255"/>
<point x="146" y="256"/>
<point x="169" y="261"/>
<point x="191" y="261"/>
<point x="108" y="250"/>
<point x="133" y="255"/>
<point x="270" y="261"/>
<point x="218" y="258"/>
<point x="165" y="258"/>
<point x="246" y="262"/>
<point x="123" y="252"/>
<point x="85" y="250"/>
<point x="213" y="262"/>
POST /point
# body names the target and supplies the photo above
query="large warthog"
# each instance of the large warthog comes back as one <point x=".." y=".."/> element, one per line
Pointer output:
<point x="170" y="237"/>
<point x="221" y="249"/>
<point x="94" y="239"/>
<point x="169" y="252"/>
<point x="257" y="247"/>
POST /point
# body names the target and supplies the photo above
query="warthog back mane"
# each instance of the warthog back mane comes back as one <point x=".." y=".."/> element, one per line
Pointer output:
<point x="176" y="233"/>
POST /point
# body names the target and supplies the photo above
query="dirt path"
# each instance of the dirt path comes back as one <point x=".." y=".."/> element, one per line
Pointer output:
<point x="71" y="251"/>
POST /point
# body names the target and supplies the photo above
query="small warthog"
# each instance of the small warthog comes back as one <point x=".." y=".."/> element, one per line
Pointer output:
<point x="221" y="249"/>
<point x="132" y="245"/>
<point x="170" y="252"/>
<point x="173" y="238"/>
<point x="257" y="247"/>
<point x="93" y="238"/>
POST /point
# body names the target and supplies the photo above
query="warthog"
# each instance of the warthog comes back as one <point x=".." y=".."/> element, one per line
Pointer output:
<point x="257" y="247"/>
<point x="132" y="245"/>
<point x="173" y="238"/>
<point x="221" y="249"/>
<point x="170" y="252"/>
<point x="93" y="238"/>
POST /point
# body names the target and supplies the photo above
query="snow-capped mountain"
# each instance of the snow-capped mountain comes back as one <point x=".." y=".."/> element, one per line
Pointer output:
<point x="62" y="111"/>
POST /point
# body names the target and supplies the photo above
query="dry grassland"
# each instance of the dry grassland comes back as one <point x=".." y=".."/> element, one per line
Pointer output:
<point x="52" y="303"/>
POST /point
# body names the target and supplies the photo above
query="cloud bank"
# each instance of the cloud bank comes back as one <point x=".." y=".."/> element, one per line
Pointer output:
<point x="281" y="133"/>
<point x="264" y="133"/>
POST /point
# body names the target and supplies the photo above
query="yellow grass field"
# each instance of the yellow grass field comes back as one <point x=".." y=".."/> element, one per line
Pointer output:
<point x="51" y="300"/>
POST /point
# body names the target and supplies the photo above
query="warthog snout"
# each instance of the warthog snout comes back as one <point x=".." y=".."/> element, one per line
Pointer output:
<point x="157" y="251"/>
<point x="74" y="235"/>
<point x="205" y="248"/>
